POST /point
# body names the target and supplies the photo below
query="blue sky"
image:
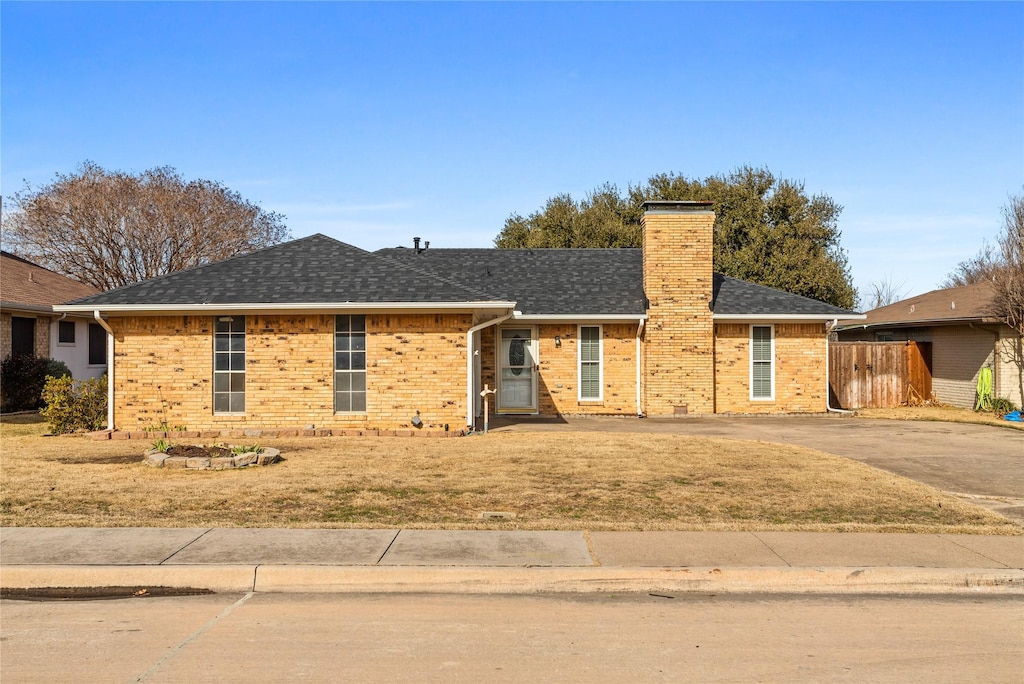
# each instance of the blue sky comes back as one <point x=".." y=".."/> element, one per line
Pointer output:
<point x="374" y="123"/>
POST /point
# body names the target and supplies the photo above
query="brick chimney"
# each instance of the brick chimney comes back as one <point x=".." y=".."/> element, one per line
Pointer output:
<point x="678" y="363"/>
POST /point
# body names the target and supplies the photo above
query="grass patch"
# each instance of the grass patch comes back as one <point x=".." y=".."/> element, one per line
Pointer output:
<point x="948" y="414"/>
<point x="596" y="481"/>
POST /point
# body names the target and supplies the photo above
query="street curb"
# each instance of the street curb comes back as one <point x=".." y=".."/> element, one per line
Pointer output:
<point x="520" y="580"/>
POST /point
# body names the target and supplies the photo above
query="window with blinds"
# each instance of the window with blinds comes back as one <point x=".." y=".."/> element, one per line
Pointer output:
<point x="762" y="356"/>
<point x="590" y="362"/>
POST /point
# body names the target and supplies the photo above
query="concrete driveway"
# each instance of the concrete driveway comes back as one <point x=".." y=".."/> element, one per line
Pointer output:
<point x="982" y="463"/>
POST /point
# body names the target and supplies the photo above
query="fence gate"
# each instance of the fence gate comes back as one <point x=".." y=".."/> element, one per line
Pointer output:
<point x="879" y="374"/>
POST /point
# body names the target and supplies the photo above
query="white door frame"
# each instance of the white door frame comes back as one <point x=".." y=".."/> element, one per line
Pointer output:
<point x="498" y="363"/>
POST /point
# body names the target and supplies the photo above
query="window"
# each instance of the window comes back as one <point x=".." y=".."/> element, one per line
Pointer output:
<point x="762" y="367"/>
<point x="884" y="337"/>
<point x="350" y="364"/>
<point x="23" y="336"/>
<point x="97" y="345"/>
<point x="229" y="365"/>
<point x="66" y="332"/>
<point x="590" y="362"/>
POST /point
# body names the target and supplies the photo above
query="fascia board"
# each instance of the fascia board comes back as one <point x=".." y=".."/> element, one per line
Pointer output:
<point x="793" y="318"/>
<point x="574" y="318"/>
<point x="270" y="308"/>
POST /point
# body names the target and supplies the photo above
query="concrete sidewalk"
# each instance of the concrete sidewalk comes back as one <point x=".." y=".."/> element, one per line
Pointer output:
<point x="466" y="561"/>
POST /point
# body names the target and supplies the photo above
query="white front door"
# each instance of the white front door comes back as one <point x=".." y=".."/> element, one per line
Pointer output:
<point x="517" y="371"/>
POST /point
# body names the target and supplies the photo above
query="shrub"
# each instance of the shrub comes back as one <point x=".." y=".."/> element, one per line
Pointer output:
<point x="1001" y="406"/>
<point x="162" y="445"/>
<point x="71" y="406"/>
<point x="22" y="377"/>
<point x="247" y="449"/>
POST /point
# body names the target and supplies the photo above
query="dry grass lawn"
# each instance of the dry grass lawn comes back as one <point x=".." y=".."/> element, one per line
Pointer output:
<point x="936" y="412"/>
<point x="548" y="480"/>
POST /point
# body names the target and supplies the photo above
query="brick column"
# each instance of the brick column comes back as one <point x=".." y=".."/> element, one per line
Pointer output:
<point x="678" y="372"/>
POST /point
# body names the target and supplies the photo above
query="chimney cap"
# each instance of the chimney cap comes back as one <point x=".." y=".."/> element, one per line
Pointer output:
<point x="676" y="206"/>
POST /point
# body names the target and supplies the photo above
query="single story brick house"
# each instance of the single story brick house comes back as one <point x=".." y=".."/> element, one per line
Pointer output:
<point x="318" y="332"/>
<point x="965" y="337"/>
<point x="28" y="325"/>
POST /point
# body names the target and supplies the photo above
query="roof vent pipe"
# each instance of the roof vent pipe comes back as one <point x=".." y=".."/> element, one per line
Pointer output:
<point x="416" y="245"/>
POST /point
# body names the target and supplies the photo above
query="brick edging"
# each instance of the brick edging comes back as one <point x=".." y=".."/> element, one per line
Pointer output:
<point x="272" y="433"/>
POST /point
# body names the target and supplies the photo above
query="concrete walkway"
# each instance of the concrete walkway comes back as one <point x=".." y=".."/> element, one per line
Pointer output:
<point x="299" y="560"/>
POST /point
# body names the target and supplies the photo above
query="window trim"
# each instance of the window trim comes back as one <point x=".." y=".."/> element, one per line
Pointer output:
<point x="770" y="361"/>
<point x="244" y="372"/>
<point x="74" y="333"/>
<point x="580" y="362"/>
<point x="351" y="372"/>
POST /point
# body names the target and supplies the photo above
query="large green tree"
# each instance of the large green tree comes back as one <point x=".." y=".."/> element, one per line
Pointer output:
<point x="767" y="230"/>
<point x="110" y="229"/>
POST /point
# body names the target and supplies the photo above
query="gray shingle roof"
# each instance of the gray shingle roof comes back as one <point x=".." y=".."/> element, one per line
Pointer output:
<point x="306" y="271"/>
<point x="319" y="269"/>
<point x="543" y="281"/>
<point x="733" y="296"/>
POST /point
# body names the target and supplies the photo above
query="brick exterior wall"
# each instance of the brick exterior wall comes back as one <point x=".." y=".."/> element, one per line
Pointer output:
<point x="42" y="335"/>
<point x="5" y="335"/>
<point x="164" y="372"/>
<point x="558" y="388"/>
<point x="1010" y="375"/>
<point x="678" y="358"/>
<point x="800" y="373"/>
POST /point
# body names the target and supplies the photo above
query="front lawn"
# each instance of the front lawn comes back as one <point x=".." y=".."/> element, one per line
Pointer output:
<point x="566" y="480"/>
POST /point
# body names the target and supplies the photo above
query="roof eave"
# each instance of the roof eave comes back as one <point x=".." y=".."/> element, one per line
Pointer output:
<point x="792" y="318"/>
<point x="268" y="308"/>
<point x="28" y="308"/>
<point x="574" y="318"/>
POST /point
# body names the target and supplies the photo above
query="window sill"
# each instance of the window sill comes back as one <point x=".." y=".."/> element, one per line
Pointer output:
<point x="590" y="402"/>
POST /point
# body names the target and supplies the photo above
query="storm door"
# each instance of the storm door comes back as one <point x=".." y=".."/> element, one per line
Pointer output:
<point x="517" y="364"/>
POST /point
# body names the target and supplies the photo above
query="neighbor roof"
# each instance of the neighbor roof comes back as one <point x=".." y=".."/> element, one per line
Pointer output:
<point x="947" y="306"/>
<point x="542" y="282"/>
<point x="26" y="285"/>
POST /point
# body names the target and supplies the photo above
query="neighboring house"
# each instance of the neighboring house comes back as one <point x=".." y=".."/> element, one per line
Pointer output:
<point x="318" y="332"/>
<point x="964" y="335"/>
<point x="28" y="324"/>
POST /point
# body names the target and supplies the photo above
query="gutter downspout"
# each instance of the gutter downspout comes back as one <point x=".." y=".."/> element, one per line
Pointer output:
<point x="639" y="332"/>
<point x="828" y="393"/>
<point x="470" y="354"/>
<point x="110" y="368"/>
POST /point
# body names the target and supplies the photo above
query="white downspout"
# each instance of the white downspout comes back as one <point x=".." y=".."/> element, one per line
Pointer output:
<point x="470" y="398"/>
<point x="828" y="394"/>
<point x="639" y="332"/>
<point x="110" y="368"/>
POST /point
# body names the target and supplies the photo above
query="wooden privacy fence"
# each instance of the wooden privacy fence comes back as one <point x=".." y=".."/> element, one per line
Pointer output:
<point x="879" y="374"/>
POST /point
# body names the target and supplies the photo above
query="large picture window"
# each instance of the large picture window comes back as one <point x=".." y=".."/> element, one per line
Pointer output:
<point x="350" y="364"/>
<point x="590" y="362"/>
<point x="229" y="365"/>
<point x="762" y="362"/>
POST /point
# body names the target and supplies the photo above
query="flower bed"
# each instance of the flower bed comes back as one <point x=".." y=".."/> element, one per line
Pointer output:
<point x="214" y="457"/>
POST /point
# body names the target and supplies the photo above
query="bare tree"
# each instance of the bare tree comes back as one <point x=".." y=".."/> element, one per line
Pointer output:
<point x="884" y="292"/>
<point x="981" y="267"/>
<point x="110" y="229"/>
<point x="1008" y="281"/>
